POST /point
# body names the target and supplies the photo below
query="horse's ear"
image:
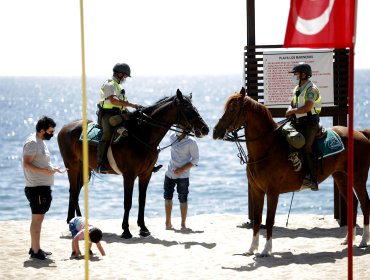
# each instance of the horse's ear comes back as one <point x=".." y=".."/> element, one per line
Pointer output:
<point x="242" y="91"/>
<point x="179" y="95"/>
<point x="191" y="95"/>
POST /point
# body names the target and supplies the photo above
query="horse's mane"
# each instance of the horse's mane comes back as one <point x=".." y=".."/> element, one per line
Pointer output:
<point x="152" y="108"/>
<point x="164" y="100"/>
<point x="251" y="104"/>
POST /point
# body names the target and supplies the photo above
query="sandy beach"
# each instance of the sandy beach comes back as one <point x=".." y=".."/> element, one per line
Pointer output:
<point x="310" y="248"/>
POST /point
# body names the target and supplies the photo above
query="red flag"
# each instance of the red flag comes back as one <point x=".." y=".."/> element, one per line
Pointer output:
<point x="321" y="24"/>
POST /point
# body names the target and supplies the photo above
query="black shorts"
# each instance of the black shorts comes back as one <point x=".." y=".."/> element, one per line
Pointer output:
<point x="39" y="198"/>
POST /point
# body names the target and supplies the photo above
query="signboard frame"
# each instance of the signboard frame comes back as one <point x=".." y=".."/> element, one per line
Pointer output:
<point x="278" y="85"/>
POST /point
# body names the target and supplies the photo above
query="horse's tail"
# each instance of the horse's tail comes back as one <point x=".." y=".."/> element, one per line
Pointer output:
<point x="366" y="132"/>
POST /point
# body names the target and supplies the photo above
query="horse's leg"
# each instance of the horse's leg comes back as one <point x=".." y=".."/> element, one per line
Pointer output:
<point x="257" y="198"/>
<point x="360" y="188"/>
<point x="80" y="185"/>
<point x="272" y="201"/>
<point x="143" y="186"/>
<point x="340" y="179"/>
<point x="129" y="180"/>
<point x="75" y="184"/>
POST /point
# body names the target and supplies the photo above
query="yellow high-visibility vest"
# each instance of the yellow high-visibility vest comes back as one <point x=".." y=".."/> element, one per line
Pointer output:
<point x="119" y="92"/>
<point x="300" y="100"/>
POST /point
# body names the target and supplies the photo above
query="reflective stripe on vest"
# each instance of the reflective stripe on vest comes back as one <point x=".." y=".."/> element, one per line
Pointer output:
<point x="119" y="92"/>
<point x="301" y="100"/>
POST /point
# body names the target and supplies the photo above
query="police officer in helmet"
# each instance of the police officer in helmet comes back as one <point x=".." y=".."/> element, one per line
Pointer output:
<point x="304" y="113"/>
<point x="113" y="103"/>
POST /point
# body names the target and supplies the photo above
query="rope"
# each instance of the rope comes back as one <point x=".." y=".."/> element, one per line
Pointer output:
<point x="290" y="207"/>
<point x="85" y="148"/>
<point x="170" y="145"/>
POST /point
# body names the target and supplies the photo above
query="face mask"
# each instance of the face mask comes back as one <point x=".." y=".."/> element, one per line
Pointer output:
<point x="123" y="80"/>
<point x="294" y="80"/>
<point x="48" y="136"/>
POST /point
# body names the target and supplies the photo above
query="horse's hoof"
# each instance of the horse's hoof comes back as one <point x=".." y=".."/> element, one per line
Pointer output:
<point x="249" y="225"/>
<point x="126" y="235"/>
<point x="264" y="255"/>
<point x="362" y="245"/>
<point x="144" y="233"/>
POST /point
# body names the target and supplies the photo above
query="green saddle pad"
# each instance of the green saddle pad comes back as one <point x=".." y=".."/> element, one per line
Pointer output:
<point x="94" y="133"/>
<point x="329" y="145"/>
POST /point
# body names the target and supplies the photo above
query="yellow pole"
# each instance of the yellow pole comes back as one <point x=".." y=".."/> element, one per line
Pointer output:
<point x="85" y="148"/>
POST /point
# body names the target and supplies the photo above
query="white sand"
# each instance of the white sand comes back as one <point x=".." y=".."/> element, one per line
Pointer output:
<point x="308" y="249"/>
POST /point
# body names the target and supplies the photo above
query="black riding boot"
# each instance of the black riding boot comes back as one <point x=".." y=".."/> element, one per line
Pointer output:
<point x="311" y="178"/>
<point x="156" y="168"/>
<point x="101" y="154"/>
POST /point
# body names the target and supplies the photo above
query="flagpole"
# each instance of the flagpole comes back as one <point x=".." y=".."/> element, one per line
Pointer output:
<point x="85" y="148"/>
<point x="350" y="162"/>
<point x="350" y="165"/>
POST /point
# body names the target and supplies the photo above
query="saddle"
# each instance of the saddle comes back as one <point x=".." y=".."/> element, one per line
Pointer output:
<point x="327" y="141"/>
<point x="321" y="133"/>
<point x="327" y="144"/>
<point x="95" y="133"/>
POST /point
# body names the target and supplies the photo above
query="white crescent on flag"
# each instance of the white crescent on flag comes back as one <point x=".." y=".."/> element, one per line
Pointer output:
<point x="315" y="25"/>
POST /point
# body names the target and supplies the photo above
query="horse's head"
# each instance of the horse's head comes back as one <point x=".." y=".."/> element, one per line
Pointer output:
<point x="188" y="116"/>
<point x="232" y="118"/>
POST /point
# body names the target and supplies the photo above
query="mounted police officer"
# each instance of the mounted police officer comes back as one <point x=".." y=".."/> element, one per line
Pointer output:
<point x="304" y="112"/>
<point x="112" y="107"/>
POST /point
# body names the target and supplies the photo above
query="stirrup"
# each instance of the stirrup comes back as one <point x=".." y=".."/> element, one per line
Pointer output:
<point x="156" y="168"/>
<point x="297" y="164"/>
<point x="115" y="141"/>
<point x="122" y="131"/>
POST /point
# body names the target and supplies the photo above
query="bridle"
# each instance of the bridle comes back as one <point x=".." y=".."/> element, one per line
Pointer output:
<point x="144" y="118"/>
<point x="181" y="115"/>
<point x="232" y="136"/>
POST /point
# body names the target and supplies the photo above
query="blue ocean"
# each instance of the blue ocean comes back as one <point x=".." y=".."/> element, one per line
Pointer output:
<point x="217" y="186"/>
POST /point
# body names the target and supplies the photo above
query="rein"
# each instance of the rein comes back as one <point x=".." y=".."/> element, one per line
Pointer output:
<point x="234" y="137"/>
<point x="243" y="157"/>
<point x="144" y="118"/>
<point x="152" y="122"/>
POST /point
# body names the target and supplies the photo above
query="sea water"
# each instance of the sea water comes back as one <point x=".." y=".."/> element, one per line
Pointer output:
<point x="217" y="185"/>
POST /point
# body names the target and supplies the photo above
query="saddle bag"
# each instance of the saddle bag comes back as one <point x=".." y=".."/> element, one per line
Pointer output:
<point x="292" y="136"/>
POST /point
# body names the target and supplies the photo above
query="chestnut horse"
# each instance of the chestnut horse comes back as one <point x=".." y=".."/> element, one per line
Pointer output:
<point x="135" y="155"/>
<point x="270" y="173"/>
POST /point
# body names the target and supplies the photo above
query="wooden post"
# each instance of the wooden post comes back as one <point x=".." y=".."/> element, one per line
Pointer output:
<point x="251" y="41"/>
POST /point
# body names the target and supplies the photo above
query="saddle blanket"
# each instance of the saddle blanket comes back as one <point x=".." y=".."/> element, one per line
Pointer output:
<point x="329" y="145"/>
<point x="94" y="133"/>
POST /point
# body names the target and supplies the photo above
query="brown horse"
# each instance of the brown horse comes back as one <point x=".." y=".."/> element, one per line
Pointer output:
<point x="270" y="173"/>
<point x="134" y="155"/>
